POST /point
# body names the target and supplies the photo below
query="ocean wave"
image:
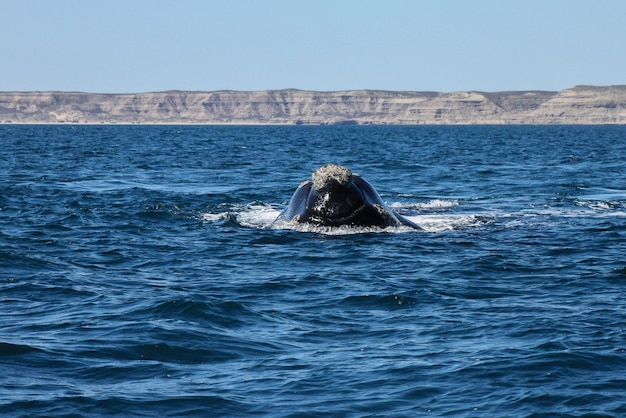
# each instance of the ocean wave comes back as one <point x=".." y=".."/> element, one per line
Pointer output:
<point x="382" y="302"/>
<point x="9" y="349"/>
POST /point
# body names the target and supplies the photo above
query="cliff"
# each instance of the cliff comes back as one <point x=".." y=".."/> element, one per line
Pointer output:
<point x="578" y="105"/>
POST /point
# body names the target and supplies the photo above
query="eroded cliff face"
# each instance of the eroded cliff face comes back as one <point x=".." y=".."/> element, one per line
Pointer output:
<point x="578" y="105"/>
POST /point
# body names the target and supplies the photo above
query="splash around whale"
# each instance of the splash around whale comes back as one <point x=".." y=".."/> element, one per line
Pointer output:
<point x="336" y="197"/>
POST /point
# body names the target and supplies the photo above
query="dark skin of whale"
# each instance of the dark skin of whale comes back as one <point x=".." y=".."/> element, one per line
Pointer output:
<point x="351" y="201"/>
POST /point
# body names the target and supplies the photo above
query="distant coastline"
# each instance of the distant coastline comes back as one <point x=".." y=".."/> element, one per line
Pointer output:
<point x="584" y="105"/>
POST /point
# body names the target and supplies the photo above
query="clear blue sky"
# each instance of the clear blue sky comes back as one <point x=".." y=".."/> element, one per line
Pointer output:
<point x="129" y="46"/>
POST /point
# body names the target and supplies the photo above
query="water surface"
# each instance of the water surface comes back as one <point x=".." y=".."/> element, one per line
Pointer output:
<point x="140" y="273"/>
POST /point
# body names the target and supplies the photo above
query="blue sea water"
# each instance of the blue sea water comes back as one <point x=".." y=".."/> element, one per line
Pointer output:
<point x="141" y="274"/>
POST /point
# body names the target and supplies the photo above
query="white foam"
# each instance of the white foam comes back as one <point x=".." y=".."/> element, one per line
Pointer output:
<point x="214" y="217"/>
<point x="429" y="223"/>
<point x="251" y="216"/>
<point x="599" y="205"/>
<point x="437" y="219"/>
<point x="440" y="223"/>
<point x="257" y="216"/>
<point x="434" y="204"/>
<point x="263" y="216"/>
<point x="340" y="230"/>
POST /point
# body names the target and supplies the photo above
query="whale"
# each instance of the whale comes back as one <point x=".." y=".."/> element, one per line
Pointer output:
<point x="334" y="196"/>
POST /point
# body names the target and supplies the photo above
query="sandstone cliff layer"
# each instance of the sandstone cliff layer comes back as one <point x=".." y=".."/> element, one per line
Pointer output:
<point x="578" y="105"/>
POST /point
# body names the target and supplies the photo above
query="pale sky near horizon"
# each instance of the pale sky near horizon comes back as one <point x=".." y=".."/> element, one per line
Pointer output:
<point x="131" y="46"/>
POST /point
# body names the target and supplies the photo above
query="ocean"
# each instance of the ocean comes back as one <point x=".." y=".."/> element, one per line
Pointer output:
<point x="141" y="273"/>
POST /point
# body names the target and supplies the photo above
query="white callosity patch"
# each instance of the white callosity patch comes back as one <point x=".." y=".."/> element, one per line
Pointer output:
<point x="322" y="203"/>
<point x="324" y="176"/>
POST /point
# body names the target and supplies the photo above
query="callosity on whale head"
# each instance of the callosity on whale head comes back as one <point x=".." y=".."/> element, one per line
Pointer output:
<point x="335" y="196"/>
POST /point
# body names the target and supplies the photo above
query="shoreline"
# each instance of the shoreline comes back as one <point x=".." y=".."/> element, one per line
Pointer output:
<point x="581" y="105"/>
